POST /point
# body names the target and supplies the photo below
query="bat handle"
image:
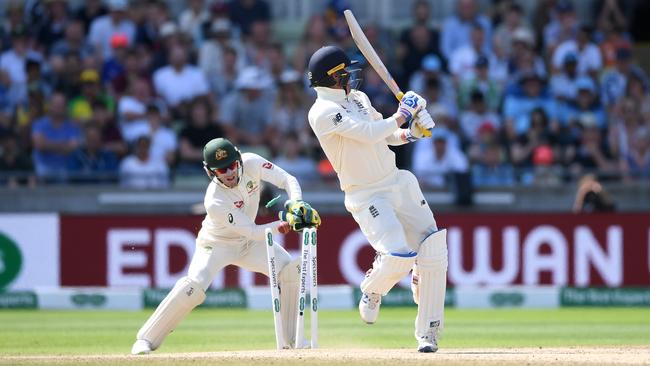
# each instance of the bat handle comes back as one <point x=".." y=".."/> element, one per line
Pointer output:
<point x="399" y="96"/>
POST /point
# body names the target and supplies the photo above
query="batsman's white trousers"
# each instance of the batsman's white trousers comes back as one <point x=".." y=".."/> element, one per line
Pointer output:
<point x="209" y="258"/>
<point x="392" y="214"/>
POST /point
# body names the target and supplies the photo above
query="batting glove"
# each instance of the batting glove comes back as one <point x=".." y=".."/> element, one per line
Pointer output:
<point x="410" y="105"/>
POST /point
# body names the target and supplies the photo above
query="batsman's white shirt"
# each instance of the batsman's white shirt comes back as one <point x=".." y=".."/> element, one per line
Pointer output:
<point x="387" y="203"/>
<point x="229" y="234"/>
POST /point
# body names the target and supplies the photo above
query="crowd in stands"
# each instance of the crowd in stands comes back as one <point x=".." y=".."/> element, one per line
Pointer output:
<point x="125" y="91"/>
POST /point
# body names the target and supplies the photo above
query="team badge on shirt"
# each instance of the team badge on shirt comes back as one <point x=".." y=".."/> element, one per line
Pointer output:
<point x="239" y="204"/>
<point x="337" y="119"/>
<point x="251" y="186"/>
<point x="267" y="165"/>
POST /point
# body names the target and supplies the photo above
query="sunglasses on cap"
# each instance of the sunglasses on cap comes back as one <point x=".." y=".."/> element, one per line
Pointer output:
<point x="233" y="166"/>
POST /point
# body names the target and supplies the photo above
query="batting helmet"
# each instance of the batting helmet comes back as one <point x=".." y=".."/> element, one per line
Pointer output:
<point x="324" y="63"/>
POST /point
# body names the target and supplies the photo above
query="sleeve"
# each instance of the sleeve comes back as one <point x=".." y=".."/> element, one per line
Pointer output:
<point x="237" y="221"/>
<point x="336" y="121"/>
<point x="277" y="176"/>
<point x="395" y="139"/>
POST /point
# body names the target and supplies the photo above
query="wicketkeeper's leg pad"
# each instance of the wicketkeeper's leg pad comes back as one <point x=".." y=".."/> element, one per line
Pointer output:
<point x="429" y="283"/>
<point x="386" y="271"/>
<point x="185" y="296"/>
<point x="289" y="282"/>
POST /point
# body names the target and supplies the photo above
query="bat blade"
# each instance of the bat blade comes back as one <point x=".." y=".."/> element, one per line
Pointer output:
<point x="373" y="59"/>
<point x="369" y="53"/>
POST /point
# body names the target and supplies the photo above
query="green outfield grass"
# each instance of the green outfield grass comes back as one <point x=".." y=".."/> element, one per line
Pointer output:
<point x="94" y="332"/>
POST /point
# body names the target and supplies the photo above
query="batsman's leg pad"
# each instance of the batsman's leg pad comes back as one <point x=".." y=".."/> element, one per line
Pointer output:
<point x="430" y="285"/>
<point x="184" y="297"/>
<point x="289" y="283"/>
<point x="386" y="271"/>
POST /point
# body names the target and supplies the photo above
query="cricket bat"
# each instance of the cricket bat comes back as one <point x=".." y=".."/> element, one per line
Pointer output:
<point x="373" y="59"/>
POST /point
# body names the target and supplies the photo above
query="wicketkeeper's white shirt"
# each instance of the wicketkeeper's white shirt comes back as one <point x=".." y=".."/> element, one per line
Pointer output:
<point x="231" y="212"/>
<point x="354" y="137"/>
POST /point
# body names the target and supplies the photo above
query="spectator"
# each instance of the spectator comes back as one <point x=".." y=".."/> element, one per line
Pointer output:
<point x="563" y="84"/>
<point x="15" y="168"/>
<point x="614" y="39"/>
<point x="590" y="153"/>
<point x="132" y="109"/>
<point x="104" y="27"/>
<point x="139" y="171"/>
<point x="635" y="163"/>
<point x="431" y="68"/>
<point x="74" y="41"/>
<point x="163" y="139"/>
<point x="110" y="133"/>
<point x="292" y="159"/>
<point x="562" y="27"/>
<point x="113" y="66"/>
<point x="418" y="41"/>
<point x="246" y="12"/>
<point x="586" y="102"/>
<point x="492" y="170"/>
<point x="65" y="74"/>
<point x="590" y="61"/>
<point x="220" y="57"/>
<point x="517" y="108"/>
<point x="54" y="138"/>
<point x="246" y="112"/>
<point x="591" y="197"/>
<point x="513" y="20"/>
<point x="314" y="36"/>
<point x="81" y="107"/>
<point x="91" y="162"/>
<point x="434" y="159"/>
<point x="457" y="28"/>
<point x="477" y="116"/>
<point x="289" y="114"/>
<point x="463" y="60"/>
<point x="179" y="82"/>
<point x="192" y="18"/>
<point x="534" y="148"/>
<point x="200" y="129"/>
<point x="13" y="62"/>
<point x="483" y="82"/>
<point x="54" y="22"/>
<point x="524" y="60"/>
<point x="89" y="11"/>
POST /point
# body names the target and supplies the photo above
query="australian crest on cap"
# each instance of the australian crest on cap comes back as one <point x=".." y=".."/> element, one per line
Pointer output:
<point x="221" y="154"/>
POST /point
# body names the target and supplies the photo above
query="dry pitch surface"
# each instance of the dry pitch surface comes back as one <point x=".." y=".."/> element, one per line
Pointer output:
<point x="629" y="355"/>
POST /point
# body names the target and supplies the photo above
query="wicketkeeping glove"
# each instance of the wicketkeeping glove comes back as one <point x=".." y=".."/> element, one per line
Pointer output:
<point x="294" y="221"/>
<point x="302" y="209"/>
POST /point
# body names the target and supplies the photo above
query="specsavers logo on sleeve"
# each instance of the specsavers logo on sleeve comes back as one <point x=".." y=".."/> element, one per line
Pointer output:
<point x="29" y="251"/>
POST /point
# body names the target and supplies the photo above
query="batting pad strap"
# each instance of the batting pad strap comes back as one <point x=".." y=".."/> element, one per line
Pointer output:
<point x="184" y="297"/>
<point x="386" y="271"/>
<point x="289" y="281"/>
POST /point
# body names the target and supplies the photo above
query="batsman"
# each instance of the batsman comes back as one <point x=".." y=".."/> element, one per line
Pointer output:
<point x="386" y="202"/>
<point x="229" y="235"/>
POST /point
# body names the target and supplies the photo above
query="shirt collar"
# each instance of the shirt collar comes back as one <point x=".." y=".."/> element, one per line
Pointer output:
<point x="334" y="95"/>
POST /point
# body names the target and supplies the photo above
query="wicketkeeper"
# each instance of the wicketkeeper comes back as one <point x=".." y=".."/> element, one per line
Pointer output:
<point x="229" y="235"/>
<point x="387" y="203"/>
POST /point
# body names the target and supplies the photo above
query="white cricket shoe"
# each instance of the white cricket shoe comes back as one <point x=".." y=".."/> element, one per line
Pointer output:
<point x="429" y="342"/>
<point x="141" y="347"/>
<point x="369" y="307"/>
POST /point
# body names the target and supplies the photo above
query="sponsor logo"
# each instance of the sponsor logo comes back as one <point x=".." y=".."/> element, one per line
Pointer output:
<point x="423" y="203"/>
<point x="221" y="154"/>
<point x="230" y="218"/>
<point x="434" y="324"/>
<point x="94" y="300"/>
<point x="337" y="119"/>
<point x="190" y="291"/>
<point x="239" y="204"/>
<point x="10" y="260"/>
<point x="373" y="211"/>
<point x="507" y="299"/>
<point x="267" y="165"/>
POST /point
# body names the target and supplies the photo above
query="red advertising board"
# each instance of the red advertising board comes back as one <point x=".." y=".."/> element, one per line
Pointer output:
<point x="484" y="249"/>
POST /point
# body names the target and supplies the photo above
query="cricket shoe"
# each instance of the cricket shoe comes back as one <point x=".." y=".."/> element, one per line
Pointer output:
<point x="429" y="342"/>
<point x="369" y="307"/>
<point x="141" y="347"/>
